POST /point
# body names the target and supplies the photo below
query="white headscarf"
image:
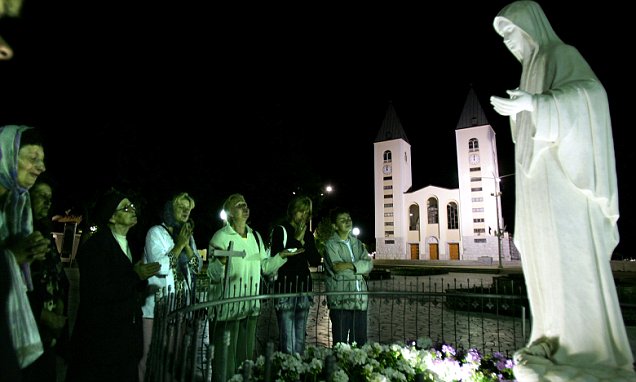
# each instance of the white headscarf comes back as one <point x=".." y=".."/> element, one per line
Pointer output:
<point x="17" y="207"/>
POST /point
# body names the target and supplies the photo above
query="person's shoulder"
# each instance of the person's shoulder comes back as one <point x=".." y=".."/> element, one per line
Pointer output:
<point x="332" y="241"/>
<point x="220" y="233"/>
<point x="285" y="225"/>
<point x="254" y="231"/>
<point x="158" y="229"/>
<point x="97" y="236"/>
<point x="94" y="242"/>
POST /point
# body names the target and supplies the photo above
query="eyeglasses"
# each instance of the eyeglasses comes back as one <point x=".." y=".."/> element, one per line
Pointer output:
<point x="128" y="208"/>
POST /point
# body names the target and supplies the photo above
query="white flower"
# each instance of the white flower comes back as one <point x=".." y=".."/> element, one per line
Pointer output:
<point x="376" y="377"/>
<point x="340" y="376"/>
<point x="383" y="363"/>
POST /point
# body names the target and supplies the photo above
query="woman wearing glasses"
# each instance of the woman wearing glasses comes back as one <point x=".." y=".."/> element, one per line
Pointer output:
<point x="107" y="337"/>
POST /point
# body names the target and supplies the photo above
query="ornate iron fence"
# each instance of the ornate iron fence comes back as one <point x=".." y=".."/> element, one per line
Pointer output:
<point x="486" y="316"/>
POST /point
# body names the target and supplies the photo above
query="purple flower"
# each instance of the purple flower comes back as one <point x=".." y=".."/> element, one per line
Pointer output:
<point x="473" y="356"/>
<point x="448" y="350"/>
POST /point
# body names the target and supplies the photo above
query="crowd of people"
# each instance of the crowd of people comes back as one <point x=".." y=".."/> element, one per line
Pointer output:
<point x="565" y="171"/>
<point x="121" y="280"/>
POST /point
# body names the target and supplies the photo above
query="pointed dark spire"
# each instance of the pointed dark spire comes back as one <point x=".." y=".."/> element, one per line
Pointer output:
<point x="391" y="127"/>
<point x="473" y="114"/>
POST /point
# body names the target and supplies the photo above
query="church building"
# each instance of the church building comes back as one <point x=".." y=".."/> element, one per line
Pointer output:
<point x="437" y="223"/>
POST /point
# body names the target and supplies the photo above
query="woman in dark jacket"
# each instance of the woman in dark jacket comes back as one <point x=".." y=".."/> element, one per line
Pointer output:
<point x="294" y="276"/>
<point x="107" y="338"/>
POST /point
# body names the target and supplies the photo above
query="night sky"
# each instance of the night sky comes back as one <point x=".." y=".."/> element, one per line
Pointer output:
<point x="264" y="100"/>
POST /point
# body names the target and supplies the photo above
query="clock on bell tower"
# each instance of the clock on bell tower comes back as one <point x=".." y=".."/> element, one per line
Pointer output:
<point x="477" y="169"/>
<point x="392" y="178"/>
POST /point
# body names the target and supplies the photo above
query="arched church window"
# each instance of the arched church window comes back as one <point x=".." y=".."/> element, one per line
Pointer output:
<point x="452" y="215"/>
<point x="433" y="211"/>
<point x="414" y="217"/>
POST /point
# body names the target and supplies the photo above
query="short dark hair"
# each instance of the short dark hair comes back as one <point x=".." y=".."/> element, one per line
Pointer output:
<point x="106" y="206"/>
<point x="334" y="213"/>
<point x="46" y="179"/>
<point x="31" y="136"/>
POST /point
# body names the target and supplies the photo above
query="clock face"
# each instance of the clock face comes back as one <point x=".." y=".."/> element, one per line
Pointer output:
<point x="473" y="158"/>
<point x="386" y="169"/>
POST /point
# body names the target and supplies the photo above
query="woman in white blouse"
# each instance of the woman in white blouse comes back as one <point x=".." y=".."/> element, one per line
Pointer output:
<point x="172" y="245"/>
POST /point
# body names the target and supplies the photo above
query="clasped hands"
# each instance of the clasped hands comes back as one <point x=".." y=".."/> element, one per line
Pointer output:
<point x="519" y="101"/>
<point x="182" y="240"/>
<point x="29" y="248"/>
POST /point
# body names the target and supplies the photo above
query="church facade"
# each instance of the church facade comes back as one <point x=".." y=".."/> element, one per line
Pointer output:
<point x="437" y="223"/>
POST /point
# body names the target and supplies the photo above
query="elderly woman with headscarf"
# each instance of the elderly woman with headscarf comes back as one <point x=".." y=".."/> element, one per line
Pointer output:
<point x="21" y="162"/>
<point x="566" y="205"/>
<point x="172" y="245"/>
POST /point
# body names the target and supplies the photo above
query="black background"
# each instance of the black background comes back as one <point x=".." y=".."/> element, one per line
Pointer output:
<point x="261" y="99"/>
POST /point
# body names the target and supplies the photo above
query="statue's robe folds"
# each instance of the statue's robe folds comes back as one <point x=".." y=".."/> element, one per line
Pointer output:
<point x="566" y="212"/>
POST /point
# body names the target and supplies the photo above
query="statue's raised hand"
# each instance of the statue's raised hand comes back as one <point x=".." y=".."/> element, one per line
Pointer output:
<point x="519" y="101"/>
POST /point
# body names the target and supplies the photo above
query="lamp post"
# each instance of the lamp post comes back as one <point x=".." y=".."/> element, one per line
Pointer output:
<point x="497" y="194"/>
<point x="319" y="198"/>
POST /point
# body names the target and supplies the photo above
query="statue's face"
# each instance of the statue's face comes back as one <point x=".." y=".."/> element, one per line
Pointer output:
<point x="513" y="39"/>
<point x="516" y="39"/>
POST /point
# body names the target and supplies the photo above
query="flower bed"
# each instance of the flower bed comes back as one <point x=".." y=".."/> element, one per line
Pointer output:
<point x="423" y="361"/>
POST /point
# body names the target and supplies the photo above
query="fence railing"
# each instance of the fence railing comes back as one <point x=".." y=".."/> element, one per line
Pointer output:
<point x="490" y="317"/>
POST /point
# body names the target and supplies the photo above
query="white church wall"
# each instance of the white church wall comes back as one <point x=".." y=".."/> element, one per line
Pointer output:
<point x="476" y="198"/>
<point x="390" y="251"/>
<point x="474" y="250"/>
<point x="438" y="231"/>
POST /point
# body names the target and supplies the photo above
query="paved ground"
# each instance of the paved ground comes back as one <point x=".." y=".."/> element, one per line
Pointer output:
<point x="410" y="316"/>
<point x="624" y="275"/>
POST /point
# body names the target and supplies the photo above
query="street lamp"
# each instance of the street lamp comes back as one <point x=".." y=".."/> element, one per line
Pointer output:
<point x="324" y="192"/>
<point x="497" y="194"/>
<point x="498" y="232"/>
